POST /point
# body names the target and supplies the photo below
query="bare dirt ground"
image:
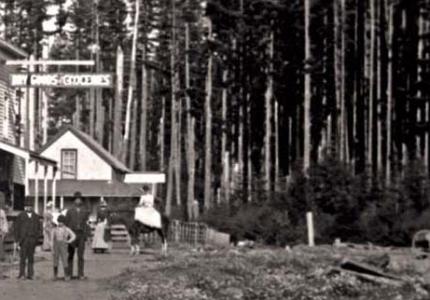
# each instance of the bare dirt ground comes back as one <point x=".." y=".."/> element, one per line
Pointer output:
<point x="98" y="267"/>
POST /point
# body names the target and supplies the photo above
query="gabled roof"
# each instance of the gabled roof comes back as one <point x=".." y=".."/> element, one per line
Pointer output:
<point x="92" y="144"/>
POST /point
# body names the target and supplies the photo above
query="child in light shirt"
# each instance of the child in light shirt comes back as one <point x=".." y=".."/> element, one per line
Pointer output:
<point x="62" y="236"/>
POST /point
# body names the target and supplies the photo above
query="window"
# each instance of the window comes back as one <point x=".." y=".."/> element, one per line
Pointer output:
<point x="69" y="163"/>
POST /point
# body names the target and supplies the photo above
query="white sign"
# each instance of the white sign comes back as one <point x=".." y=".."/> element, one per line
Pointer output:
<point x="50" y="62"/>
<point x="146" y="177"/>
<point x="62" y="80"/>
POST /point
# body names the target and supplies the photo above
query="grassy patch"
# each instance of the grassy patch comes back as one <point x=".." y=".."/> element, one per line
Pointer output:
<point x="255" y="274"/>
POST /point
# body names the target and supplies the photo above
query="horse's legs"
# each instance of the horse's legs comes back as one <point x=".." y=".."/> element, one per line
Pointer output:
<point x="163" y="241"/>
<point x="134" y="240"/>
<point x="132" y="249"/>
<point x="164" y="249"/>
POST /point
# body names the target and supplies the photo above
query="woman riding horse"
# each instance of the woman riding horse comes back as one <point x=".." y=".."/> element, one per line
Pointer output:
<point x="143" y="219"/>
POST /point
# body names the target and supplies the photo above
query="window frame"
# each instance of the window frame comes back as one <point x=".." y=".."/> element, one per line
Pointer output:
<point x="76" y="164"/>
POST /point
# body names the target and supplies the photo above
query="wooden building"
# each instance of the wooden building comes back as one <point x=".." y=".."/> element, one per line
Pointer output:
<point x="14" y="158"/>
<point x="84" y="166"/>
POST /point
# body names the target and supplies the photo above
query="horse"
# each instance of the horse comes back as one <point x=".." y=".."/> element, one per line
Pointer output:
<point x="135" y="228"/>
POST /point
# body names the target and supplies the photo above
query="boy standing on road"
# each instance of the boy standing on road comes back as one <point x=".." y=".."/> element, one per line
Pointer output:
<point x="62" y="236"/>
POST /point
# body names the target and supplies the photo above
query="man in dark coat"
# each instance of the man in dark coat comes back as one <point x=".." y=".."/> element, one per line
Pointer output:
<point x="27" y="230"/>
<point x="77" y="221"/>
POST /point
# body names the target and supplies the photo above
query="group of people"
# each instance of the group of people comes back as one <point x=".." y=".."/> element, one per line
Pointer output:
<point x="66" y="233"/>
<point x="66" y="236"/>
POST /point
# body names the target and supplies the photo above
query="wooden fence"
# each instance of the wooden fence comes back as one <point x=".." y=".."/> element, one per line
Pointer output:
<point x="193" y="233"/>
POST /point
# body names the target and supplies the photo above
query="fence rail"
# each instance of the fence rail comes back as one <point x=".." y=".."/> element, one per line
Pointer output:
<point x="194" y="233"/>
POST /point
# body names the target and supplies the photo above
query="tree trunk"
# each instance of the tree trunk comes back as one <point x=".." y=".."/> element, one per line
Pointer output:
<point x="45" y="101"/>
<point x="420" y="138"/>
<point x="143" y="113"/>
<point x="77" y="121"/>
<point x="208" y="129"/>
<point x="390" y="12"/>
<point x="92" y="111"/>
<point x="191" y="170"/>
<point x="276" y="123"/>
<point x="98" y="92"/>
<point x="379" y="86"/>
<point x="132" y="81"/>
<point x="173" y="123"/>
<point x="162" y="130"/>
<point x="190" y="153"/>
<point x="268" y="122"/>
<point x="307" y="90"/>
<point x="345" y="153"/>
<point x="370" y="72"/>
<point x="224" y="158"/>
<point x="360" y="95"/>
<point x="425" y="28"/>
<point x="132" y="150"/>
<point x="340" y="78"/>
<point x="178" y="166"/>
<point x="117" y="115"/>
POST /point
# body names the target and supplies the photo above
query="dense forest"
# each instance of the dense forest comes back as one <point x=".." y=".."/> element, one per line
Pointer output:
<point x="237" y="101"/>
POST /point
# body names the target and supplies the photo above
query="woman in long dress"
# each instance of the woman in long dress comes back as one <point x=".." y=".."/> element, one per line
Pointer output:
<point x="101" y="239"/>
<point x="47" y="227"/>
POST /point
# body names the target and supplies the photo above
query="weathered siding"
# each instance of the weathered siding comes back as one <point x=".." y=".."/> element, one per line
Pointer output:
<point x="18" y="170"/>
<point x="7" y="113"/>
<point x="8" y="109"/>
<point x="8" y="101"/>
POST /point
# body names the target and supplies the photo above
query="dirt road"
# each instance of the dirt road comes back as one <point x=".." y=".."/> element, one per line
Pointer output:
<point x="97" y="267"/>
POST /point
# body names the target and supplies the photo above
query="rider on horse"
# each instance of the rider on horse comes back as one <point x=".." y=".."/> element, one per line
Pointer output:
<point x="145" y="211"/>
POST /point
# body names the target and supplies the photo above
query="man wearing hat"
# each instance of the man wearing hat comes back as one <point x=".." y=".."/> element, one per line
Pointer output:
<point x="27" y="230"/>
<point x="77" y="221"/>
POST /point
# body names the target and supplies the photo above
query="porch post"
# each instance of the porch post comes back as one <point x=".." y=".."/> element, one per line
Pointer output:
<point x="61" y="202"/>
<point x="26" y="181"/>
<point x="45" y="187"/>
<point x="154" y="189"/>
<point x="54" y="186"/>
<point x="36" y="187"/>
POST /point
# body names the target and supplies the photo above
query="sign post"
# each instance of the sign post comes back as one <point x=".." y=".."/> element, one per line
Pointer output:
<point x="31" y="80"/>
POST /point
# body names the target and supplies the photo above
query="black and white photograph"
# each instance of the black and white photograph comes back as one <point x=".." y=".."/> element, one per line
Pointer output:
<point x="214" y="149"/>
